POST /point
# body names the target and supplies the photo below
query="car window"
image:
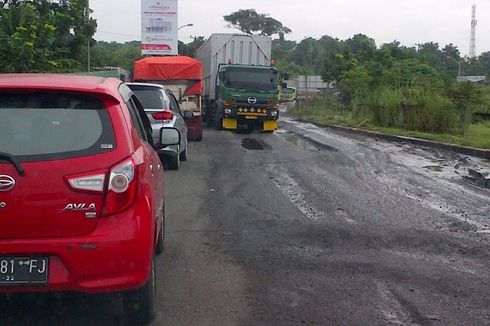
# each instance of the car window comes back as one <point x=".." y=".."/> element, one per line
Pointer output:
<point x="174" y="105"/>
<point x="144" y="119"/>
<point x="53" y="125"/>
<point x="135" y="117"/>
<point x="152" y="98"/>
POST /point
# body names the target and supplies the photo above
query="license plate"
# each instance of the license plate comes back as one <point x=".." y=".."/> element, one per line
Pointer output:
<point x="23" y="270"/>
<point x="251" y="117"/>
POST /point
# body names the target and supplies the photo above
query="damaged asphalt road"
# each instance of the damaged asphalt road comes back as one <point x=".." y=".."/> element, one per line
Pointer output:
<point x="315" y="227"/>
<point x="332" y="228"/>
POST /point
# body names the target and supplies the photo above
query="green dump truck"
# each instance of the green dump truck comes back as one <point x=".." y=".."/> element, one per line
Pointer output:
<point x="240" y="85"/>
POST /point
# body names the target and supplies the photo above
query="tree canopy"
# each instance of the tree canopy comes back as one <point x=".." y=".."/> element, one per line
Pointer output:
<point x="42" y="35"/>
<point x="249" y="21"/>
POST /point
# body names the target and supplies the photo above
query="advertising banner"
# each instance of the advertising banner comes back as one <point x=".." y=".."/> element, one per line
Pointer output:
<point x="159" y="25"/>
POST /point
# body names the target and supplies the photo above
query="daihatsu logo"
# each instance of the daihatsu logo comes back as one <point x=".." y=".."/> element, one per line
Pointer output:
<point x="6" y="183"/>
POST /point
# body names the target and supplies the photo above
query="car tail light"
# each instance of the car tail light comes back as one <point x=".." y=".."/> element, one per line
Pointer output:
<point x="121" y="188"/>
<point x="90" y="181"/>
<point x="164" y="115"/>
<point x="225" y="103"/>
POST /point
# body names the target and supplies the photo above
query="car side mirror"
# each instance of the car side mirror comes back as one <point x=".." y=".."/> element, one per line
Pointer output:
<point x="169" y="136"/>
<point x="188" y="115"/>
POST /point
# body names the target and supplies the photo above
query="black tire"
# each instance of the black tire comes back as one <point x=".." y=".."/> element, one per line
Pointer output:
<point x="218" y="123"/>
<point x="161" y="238"/>
<point x="183" y="155"/>
<point x="174" y="162"/>
<point x="139" y="304"/>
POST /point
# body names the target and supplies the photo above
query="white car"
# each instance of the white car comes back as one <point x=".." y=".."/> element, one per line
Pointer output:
<point x="163" y="110"/>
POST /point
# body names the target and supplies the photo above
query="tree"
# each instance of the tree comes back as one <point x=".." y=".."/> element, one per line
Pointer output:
<point x="190" y="49"/>
<point x="44" y="35"/>
<point x="249" y="21"/>
<point x="336" y="63"/>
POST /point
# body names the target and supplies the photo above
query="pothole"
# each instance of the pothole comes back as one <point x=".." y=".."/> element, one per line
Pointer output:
<point x="252" y="144"/>
<point x="307" y="143"/>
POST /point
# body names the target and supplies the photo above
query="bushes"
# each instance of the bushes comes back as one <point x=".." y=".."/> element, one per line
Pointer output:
<point x="412" y="109"/>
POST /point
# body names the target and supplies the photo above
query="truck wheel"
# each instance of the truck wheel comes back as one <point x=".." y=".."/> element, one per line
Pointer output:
<point x="139" y="304"/>
<point x="218" y="122"/>
<point x="174" y="162"/>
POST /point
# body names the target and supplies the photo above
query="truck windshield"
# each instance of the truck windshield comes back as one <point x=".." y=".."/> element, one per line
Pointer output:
<point x="261" y="79"/>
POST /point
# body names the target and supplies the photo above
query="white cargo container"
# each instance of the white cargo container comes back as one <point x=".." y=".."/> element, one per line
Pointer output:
<point x="237" y="48"/>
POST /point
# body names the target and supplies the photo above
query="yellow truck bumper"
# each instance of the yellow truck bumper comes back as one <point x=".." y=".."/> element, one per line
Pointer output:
<point x="270" y="125"/>
<point x="229" y="123"/>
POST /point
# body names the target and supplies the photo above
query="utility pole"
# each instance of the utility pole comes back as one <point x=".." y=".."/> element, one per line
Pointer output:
<point x="88" y="39"/>
<point x="474" y="22"/>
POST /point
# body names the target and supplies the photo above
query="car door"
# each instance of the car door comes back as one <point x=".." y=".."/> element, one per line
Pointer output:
<point x="153" y="164"/>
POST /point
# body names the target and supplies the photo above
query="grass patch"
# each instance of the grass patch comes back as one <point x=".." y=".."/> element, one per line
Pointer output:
<point x="478" y="133"/>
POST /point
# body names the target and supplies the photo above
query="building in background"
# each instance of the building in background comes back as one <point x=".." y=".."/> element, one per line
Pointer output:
<point x="308" y="86"/>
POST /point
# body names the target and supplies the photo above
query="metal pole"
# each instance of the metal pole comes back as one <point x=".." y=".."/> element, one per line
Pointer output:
<point x="88" y="40"/>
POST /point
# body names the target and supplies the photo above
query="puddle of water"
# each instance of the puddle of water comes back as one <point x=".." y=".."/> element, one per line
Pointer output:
<point x="306" y="144"/>
<point x="435" y="168"/>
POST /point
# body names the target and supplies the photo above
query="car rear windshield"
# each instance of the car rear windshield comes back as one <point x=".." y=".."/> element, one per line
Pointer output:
<point x="150" y="97"/>
<point x="44" y="125"/>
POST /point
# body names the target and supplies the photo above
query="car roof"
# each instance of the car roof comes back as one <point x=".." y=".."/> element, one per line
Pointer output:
<point x="63" y="82"/>
<point x="149" y="85"/>
<point x="146" y="84"/>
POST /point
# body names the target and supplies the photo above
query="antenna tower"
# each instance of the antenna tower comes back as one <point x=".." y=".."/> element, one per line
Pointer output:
<point x="472" y="53"/>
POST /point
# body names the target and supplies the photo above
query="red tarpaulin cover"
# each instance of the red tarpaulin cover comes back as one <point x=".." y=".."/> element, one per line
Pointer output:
<point x="171" y="68"/>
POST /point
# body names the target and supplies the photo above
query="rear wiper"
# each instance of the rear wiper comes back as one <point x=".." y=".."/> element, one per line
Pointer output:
<point x="13" y="160"/>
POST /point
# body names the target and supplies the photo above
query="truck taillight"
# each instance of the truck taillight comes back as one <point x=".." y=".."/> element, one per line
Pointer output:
<point x="164" y="115"/>
<point x="122" y="187"/>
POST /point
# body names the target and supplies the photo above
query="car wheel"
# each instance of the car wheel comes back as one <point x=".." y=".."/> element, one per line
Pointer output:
<point x="139" y="304"/>
<point x="161" y="238"/>
<point x="174" y="162"/>
<point x="183" y="155"/>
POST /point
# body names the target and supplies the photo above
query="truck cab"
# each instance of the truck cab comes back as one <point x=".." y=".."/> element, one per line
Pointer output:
<point x="247" y="97"/>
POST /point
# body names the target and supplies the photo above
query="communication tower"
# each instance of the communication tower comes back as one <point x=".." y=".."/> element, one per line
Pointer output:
<point x="472" y="53"/>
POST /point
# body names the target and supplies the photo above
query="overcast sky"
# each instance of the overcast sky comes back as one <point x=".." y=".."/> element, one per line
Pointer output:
<point x="408" y="21"/>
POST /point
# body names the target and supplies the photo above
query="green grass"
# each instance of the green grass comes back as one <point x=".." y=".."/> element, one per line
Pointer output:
<point x="478" y="134"/>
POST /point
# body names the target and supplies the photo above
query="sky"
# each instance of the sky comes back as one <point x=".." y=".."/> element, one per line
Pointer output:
<point x="410" y="22"/>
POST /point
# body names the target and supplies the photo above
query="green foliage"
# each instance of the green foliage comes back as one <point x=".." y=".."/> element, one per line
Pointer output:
<point x="44" y="36"/>
<point x="114" y="54"/>
<point x="249" y="21"/>
<point x="412" y="109"/>
<point x="190" y="49"/>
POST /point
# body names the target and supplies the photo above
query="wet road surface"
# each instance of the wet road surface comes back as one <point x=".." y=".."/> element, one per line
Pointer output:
<point x="309" y="226"/>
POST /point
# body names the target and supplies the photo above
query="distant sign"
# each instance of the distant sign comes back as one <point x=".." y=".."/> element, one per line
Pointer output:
<point x="159" y="27"/>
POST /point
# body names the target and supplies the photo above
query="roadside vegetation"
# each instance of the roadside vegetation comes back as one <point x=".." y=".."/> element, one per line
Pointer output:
<point x="405" y="91"/>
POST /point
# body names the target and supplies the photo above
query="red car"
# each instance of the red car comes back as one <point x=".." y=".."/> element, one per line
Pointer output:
<point x="81" y="189"/>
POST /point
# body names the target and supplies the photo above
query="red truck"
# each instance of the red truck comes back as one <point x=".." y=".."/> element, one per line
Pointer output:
<point x="183" y="76"/>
